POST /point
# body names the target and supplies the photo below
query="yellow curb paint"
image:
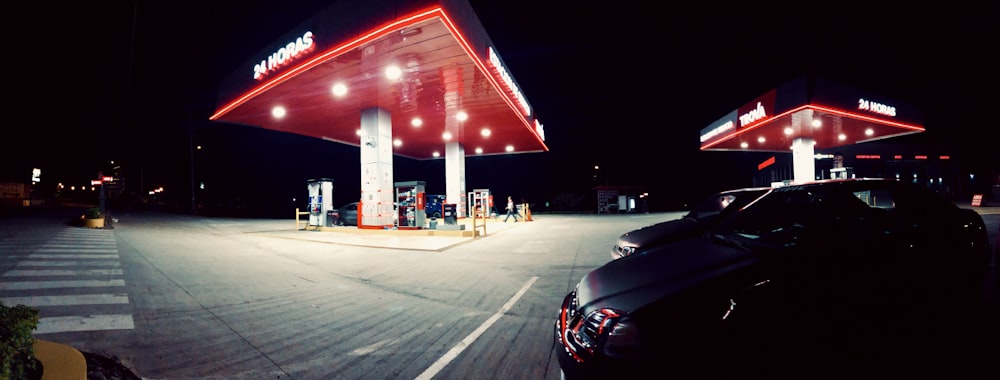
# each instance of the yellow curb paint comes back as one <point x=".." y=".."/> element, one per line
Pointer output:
<point x="59" y="361"/>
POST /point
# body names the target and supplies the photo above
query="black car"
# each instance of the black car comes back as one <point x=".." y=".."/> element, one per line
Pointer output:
<point x="699" y="218"/>
<point x="861" y="278"/>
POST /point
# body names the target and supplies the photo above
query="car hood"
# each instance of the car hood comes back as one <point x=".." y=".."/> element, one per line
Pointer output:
<point x="663" y="231"/>
<point x="632" y="282"/>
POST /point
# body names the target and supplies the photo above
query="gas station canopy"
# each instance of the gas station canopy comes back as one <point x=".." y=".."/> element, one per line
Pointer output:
<point x="827" y="113"/>
<point x="422" y="61"/>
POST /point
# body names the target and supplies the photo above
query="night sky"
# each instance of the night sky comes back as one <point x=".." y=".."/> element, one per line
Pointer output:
<point x="626" y="86"/>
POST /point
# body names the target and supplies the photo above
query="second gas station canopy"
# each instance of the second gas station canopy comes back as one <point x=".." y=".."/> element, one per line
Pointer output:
<point x="827" y="113"/>
<point x="422" y="61"/>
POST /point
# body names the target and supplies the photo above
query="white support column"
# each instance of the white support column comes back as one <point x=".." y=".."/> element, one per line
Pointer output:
<point x="454" y="176"/>
<point x="377" y="189"/>
<point x="803" y="159"/>
<point x="454" y="152"/>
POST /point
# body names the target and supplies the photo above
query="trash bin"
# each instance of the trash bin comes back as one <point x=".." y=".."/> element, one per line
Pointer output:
<point x="448" y="212"/>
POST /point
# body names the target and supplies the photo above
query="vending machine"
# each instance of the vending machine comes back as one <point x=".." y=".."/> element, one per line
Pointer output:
<point x="320" y="201"/>
<point x="480" y="203"/>
<point x="410" y="205"/>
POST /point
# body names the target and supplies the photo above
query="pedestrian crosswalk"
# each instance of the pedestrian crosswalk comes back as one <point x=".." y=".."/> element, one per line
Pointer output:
<point x="74" y="279"/>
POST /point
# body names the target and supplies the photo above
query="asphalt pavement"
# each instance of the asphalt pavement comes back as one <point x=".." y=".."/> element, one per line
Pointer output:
<point x="185" y="297"/>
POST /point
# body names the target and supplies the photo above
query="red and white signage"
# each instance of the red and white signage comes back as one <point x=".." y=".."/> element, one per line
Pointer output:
<point x="977" y="200"/>
<point x="758" y="111"/>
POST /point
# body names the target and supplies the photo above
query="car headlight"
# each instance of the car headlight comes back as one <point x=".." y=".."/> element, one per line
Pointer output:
<point x="609" y="331"/>
<point x="624" y="249"/>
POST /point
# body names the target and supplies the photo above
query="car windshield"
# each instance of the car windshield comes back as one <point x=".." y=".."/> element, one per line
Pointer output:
<point x="715" y="204"/>
<point x="783" y="217"/>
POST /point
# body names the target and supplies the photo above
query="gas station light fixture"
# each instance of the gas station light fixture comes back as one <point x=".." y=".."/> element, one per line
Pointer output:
<point x="278" y="112"/>
<point x="393" y="72"/>
<point x="339" y="89"/>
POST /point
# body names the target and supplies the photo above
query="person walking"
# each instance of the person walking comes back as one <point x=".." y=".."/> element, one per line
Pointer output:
<point x="511" y="210"/>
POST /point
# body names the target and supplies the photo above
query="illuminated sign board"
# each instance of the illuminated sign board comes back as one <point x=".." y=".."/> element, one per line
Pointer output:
<point x="857" y="101"/>
<point x="540" y="129"/>
<point x="36" y="175"/>
<point x="757" y="111"/>
<point x="879" y="108"/>
<point x="722" y="127"/>
<point x="508" y="80"/>
<point x="728" y="125"/>
<point x="766" y="163"/>
<point x="284" y="55"/>
<point x="753" y="115"/>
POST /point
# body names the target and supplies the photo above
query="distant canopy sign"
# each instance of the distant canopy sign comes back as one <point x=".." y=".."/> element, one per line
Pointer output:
<point x="757" y="111"/>
<point x="827" y="113"/>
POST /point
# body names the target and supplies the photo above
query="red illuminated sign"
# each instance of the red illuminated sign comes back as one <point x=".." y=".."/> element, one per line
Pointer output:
<point x="868" y="156"/>
<point x="766" y="163"/>
<point x="977" y="200"/>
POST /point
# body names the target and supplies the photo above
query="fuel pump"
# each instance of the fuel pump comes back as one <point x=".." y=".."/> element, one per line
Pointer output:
<point x="320" y="202"/>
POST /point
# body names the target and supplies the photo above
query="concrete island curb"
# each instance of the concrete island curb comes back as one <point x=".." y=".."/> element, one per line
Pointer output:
<point x="59" y="361"/>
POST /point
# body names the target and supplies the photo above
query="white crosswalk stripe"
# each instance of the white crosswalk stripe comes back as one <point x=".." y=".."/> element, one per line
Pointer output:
<point x="72" y="284"/>
<point x="62" y="272"/>
<point x="82" y="299"/>
<point x="85" y="323"/>
<point x="77" y="268"/>
<point x="75" y="250"/>
<point x="49" y="256"/>
<point x="70" y="264"/>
